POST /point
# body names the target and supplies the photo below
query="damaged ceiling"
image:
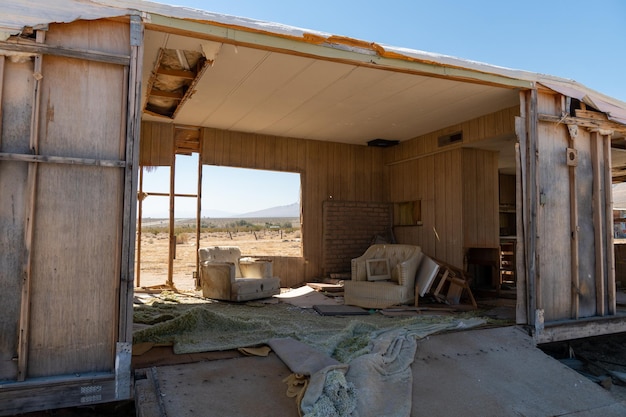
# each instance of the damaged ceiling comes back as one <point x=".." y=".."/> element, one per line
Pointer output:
<point x="267" y="92"/>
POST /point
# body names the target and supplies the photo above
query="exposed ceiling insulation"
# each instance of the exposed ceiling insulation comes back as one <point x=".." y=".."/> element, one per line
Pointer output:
<point x="172" y="81"/>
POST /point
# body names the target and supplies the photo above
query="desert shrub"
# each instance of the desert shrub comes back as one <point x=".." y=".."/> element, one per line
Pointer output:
<point x="182" y="238"/>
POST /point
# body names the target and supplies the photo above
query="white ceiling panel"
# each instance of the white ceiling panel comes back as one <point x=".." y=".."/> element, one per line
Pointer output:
<point x="268" y="92"/>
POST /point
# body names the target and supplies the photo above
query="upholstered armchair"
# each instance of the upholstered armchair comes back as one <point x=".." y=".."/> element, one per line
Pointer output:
<point x="383" y="276"/>
<point x="225" y="275"/>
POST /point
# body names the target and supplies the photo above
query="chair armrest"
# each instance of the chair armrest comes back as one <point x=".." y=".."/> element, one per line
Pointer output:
<point x="216" y="279"/>
<point x="217" y="271"/>
<point x="407" y="271"/>
<point x="358" y="268"/>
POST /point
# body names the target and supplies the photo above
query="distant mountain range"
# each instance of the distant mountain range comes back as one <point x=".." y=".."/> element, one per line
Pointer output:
<point x="291" y="210"/>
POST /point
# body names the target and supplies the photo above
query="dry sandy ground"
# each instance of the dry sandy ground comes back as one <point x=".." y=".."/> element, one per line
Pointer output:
<point x="154" y="253"/>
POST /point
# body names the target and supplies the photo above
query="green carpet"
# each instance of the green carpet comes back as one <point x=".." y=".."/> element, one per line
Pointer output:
<point x="212" y="326"/>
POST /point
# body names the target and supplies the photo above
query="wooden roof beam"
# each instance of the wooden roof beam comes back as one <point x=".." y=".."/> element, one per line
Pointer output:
<point x="607" y="126"/>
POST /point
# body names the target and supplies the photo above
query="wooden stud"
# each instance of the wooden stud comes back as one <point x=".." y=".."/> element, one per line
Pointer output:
<point x="573" y="201"/>
<point x="139" y="224"/>
<point x="172" y="235"/>
<point x="597" y="223"/>
<point x="131" y="118"/>
<point x="199" y="209"/>
<point x="521" y="316"/>
<point x="533" y="194"/>
<point x="2" y="60"/>
<point x="608" y="218"/>
<point x="24" y="323"/>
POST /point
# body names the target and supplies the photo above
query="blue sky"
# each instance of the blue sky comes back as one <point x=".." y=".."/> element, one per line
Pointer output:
<point x="580" y="40"/>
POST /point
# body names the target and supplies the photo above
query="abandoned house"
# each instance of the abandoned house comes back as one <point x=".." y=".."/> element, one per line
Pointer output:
<point x="457" y="157"/>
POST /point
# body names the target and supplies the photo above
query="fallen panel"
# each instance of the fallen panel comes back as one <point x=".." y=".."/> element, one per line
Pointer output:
<point x="500" y="372"/>
<point x="246" y="386"/>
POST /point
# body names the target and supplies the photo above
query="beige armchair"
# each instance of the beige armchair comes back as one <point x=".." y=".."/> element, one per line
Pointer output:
<point x="225" y="275"/>
<point x="383" y="276"/>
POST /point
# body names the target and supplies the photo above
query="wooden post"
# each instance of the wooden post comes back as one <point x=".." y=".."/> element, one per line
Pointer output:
<point x="522" y="208"/>
<point x="608" y="218"/>
<point x="521" y="316"/>
<point x="598" y="225"/>
<point x="139" y="224"/>
<point x="573" y="201"/>
<point x="527" y="133"/>
<point x="132" y="119"/>
<point x="172" y="246"/>
<point x="24" y="325"/>
<point x="199" y="207"/>
<point x="2" y="58"/>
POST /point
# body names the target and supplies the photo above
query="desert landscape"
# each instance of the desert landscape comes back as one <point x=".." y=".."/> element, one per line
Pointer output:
<point x="274" y="241"/>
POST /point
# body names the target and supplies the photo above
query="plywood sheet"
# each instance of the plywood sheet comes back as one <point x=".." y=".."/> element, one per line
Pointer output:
<point x="553" y="226"/>
<point x="77" y="239"/>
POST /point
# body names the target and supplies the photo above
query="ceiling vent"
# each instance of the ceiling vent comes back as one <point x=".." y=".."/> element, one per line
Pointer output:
<point x="452" y="138"/>
<point x="382" y="143"/>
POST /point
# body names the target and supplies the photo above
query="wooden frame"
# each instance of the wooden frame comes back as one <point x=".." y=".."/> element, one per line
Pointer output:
<point x="377" y="269"/>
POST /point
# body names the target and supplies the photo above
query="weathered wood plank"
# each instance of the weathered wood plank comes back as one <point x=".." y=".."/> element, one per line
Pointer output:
<point x="553" y="224"/>
<point x="586" y="239"/>
<point x="573" y="202"/>
<point x="597" y="196"/>
<point x="60" y="160"/>
<point x="84" y="390"/>
<point x="521" y="305"/>
<point x="130" y="127"/>
<point x="608" y="218"/>
<point x="95" y="56"/>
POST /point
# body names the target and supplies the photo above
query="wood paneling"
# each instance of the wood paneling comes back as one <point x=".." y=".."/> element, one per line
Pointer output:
<point x="480" y="199"/>
<point x="78" y="212"/>
<point x="554" y="266"/>
<point x="156" y="144"/>
<point x="500" y="124"/>
<point x="553" y="223"/>
<point x="458" y="193"/>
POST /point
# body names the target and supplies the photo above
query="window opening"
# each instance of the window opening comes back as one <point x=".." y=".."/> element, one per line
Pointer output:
<point x="407" y="213"/>
<point x="256" y="210"/>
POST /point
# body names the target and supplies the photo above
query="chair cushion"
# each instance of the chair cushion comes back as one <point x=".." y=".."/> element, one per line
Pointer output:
<point x="245" y="289"/>
<point x="376" y="294"/>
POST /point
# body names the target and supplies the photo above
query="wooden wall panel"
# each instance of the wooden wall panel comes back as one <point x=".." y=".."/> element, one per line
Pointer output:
<point x="586" y="241"/>
<point x="75" y="270"/>
<point x="78" y="210"/>
<point x="156" y="144"/>
<point x="458" y="194"/>
<point x="553" y="216"/>
<point x="480" y="199"/>
<point x="443" y="234"/>
<point x="553" y="219"/>
<point x="16" y="105"/>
